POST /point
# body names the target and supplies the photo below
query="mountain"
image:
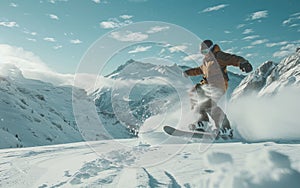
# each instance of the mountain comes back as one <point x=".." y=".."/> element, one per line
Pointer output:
<point x="270" y="78"/>
<point x="141" y="90"/>
<point x="36" y="113"/>
<point x="33" y="112"/>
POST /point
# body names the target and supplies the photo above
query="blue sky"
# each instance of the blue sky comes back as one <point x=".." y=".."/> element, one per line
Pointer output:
<point x="59" y="32"/>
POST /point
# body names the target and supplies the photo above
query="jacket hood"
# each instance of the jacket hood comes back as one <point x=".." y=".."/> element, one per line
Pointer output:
<point x="216" y="48"/>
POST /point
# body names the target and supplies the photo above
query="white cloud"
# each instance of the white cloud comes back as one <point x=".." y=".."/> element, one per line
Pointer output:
<point x="13" y="5"/>
<point x="96" y="1"/>
<point x="258" y="15"/>
<point x="225" y="41"/>
<point x="109" y="25"/>
<point x="30" y="64"/>
<point x="250" y="55"/>
<point x="276" y="44"/>
<point x="248" y="47"/>
<point x="214" y="8"/>
<point x="57" y="47"/>
<point x="156" y="29"/>
<point x="140" y="49"/>
<point x="9" y="24"/>
<point x="75" y="41"/>
<point x="227" y="32"/>
<point x="138" y="1"/>
<point x="247" y="31"/>
<point x="54" y="1"/>
<point x="113" y="23"/>
<point x="293" y="21"/>
<point x="296" y="14"/>
<point x="193" y="57"/>
<point x="29" y="32"/>
<point x="31" y="39"/>
<point x="240" y="26"/>
<point x="286" y="22"/>
<point x="53" y="16"/>
<point x="289" y="48"/>
<point x="49" y="39"/>
<point x="294" y="25"/>
<point x="178" y="48"/>
<point x="251" y="37"/>
<point x="281" y="54"/>
<point x="126" y="17"/>
<point x="33" y="67"/>
<point x="257" y="42"/>
<point x="231" y="50"/>
<point x="129" y="36"/>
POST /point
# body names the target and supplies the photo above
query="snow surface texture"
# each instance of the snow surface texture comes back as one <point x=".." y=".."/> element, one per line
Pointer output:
<point x="126" y="163"/>
<point x="265" y="106"/>
<point x="34" y="113"/>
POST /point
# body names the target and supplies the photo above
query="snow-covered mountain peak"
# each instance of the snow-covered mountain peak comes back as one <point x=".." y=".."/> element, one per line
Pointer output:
<point x="35" y="113"/>
<point x="285" y="74"/>
<point x="139" y="70"/>
<point x="138" y="90"/>
<point x="270" y="77"/>
<point x="255" y="80"/>
<point x="10" y="71"/>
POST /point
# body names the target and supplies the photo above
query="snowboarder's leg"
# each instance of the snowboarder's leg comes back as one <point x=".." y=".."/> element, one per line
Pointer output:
<point x="197" y="98"/>
<point x="203" y="116"/>
<point x="221" y="121"/>
<point x="196" y="94"/>
<point x="202" y="123"/>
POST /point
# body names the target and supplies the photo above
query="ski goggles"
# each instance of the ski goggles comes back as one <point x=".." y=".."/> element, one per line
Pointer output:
<point x="206" y="50"/>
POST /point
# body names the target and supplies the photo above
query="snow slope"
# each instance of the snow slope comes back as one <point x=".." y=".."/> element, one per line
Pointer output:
<point x="33" y="112"/>
<point x="37" y="113"/>
<point x="257" y="157"/>
<point x="128" y="163"/>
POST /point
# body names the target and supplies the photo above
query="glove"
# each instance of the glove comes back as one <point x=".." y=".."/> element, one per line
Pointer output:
<point x="246" y="66"/>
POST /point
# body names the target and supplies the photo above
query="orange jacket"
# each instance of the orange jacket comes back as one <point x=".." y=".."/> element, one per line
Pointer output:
<point x="214" y="68"/>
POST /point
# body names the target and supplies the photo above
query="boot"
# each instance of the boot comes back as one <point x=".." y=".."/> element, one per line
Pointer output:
<point x="225" y="129"/>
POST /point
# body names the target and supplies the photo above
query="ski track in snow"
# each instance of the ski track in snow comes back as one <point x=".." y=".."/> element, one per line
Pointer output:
<point x="127" y="163"/>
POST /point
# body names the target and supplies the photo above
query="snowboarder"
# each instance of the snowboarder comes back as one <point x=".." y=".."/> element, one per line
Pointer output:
<point x="213" y="86"/>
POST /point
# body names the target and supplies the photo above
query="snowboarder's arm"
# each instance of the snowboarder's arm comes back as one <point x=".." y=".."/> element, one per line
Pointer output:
<point x="194" y="71"/>
<point x="226" y="59"/>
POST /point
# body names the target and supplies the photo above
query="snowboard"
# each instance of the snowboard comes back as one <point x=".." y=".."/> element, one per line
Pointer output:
<point x="188" y="134"/>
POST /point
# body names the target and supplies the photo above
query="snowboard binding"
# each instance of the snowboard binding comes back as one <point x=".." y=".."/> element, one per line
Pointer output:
<point x="200" y="126"/>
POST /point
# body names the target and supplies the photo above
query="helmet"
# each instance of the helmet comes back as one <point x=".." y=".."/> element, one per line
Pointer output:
<point x="206" y="46"/>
